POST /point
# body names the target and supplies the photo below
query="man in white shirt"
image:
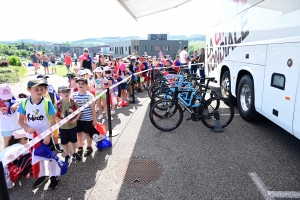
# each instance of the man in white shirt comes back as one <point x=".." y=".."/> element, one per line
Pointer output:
<point x="183" y="56"/>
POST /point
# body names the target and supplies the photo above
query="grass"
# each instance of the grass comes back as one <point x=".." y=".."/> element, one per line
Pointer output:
<point x="197" y="45"/>
<point x="12" y="74"/>
<point x="61" y="70"/>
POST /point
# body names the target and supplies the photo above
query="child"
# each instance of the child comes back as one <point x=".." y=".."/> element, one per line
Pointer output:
<point x="38" y="119"/>
<point x="114" y="91"/>
<point x="23" y="163"/>
<point x="50" y="94"/>
<point x="8" y="115"/>
<point x="87" y="117"/>
<point x="123" y="86"/>
<point x="68" y="131"/>
<point x="100" y="81"/>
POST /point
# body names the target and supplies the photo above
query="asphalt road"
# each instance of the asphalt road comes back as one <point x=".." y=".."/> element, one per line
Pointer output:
<point x="196" y="162"/>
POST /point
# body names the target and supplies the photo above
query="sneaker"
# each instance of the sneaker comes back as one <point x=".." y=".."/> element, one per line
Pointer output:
<point x="58" y="148"/>
<point x="80" y="151"/>
<point x="88" y="151"/>
<point x="40" y="181"/>
<point x="11" y="186"/>
<point x="111" y="118"/>
<point x="54" y="182"/>
<point x="103" y="112"/>
<point x="67" y="159"/>
<point x="100" y="116"/>
<point x="113" y="112"/>
<point x="127" y="98"/>
<point x="76" y="157"/>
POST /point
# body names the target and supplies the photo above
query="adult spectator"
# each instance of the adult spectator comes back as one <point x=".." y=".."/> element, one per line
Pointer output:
<point x="85" y="60"/>
<point x="62" y="58"/>
<point x="68" y="61"/>
<point x="52" y="58"/>
<point x="35" y="60"/>
<point x="110" y="54"/>
<point x="176" y="64"/>
<point x="45" y="62"/>
<point x="194" y="60"/>
<point x="202" y="66"/>
<point x="75" y="58"/>
<point x="183" y="57"/>
<point x="160" y="54"/>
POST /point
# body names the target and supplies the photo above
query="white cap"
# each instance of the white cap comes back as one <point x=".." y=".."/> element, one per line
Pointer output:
<point x="106" y="69"/>
<point x="81" y="72"/>
<point x="98" y="69"/>
<point x="87" y="71"/>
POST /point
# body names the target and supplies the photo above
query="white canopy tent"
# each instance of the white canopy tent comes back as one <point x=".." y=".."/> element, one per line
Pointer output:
<point x="142" y="8"/>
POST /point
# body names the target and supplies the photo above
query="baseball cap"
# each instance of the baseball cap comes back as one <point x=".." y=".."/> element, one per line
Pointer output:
<point x="42" y="76"/>
<point x="106" y="69"/>
<point x="71" y="75"/>
<point x="81" y="79"/>
<point x="63" y="88"/>
<point x="35" y="83"/>
<point x="81" y="72"/>
<point x="5" y="92"/>
<point x="98" y="69"/>
<point x="87" y="71"/>
<point x="18" y="134"/>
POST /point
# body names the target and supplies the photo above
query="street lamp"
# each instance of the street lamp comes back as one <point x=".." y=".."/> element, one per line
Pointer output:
<point x="180" y="45"/>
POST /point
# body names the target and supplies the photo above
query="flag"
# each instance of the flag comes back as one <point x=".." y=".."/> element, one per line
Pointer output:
<point x="45" y="162"/>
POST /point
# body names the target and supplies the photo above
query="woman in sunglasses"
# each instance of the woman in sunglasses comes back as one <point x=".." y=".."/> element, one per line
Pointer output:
<point x="86" y="60"/>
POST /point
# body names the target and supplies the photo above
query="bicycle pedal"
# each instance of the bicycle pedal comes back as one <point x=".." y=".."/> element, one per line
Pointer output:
<point x="188" y="119"/>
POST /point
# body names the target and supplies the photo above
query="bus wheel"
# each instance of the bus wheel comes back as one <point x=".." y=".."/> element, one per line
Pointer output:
<point x="225" y="87"/>
<point x="245" y="99"/>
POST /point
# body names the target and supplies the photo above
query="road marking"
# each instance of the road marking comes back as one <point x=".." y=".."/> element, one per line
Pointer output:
<point x="284" y="194"/>
<point x="271" y="195"/>
<point x="261" y="186"/>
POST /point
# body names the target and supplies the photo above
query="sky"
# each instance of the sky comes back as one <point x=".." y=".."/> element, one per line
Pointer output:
<point x="64" y="20"/>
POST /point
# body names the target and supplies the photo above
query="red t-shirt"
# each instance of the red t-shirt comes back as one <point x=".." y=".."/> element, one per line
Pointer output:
<point x="68" y="60"/>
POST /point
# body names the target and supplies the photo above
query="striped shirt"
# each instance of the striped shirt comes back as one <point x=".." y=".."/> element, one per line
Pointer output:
<point x="81" y="99"/>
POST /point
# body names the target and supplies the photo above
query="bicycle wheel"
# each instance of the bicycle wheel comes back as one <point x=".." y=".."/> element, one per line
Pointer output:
<point x="214" y="108"/>
<point x="167" y="119"/>
<point x="160" y="93"/>
<point x="152" y="88"/>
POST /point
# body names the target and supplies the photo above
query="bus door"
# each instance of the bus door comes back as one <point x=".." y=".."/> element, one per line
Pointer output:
<point x="296" y="121"/>
<point x="280" y="84"/>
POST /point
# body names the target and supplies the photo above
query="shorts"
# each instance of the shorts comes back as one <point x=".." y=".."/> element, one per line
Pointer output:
<point x="53" y="65"/>
<point x="45" y="64"/>
<point x="8" y="133"/>
<point x="101" y="97"/>
<point x="36" y="64"/>
<point x="146" y="77"/>
<point x="123" y="86"/>
<point x="84" y="126"/>
<point x="68" y="135"/>
<point x="68" y="66"/>
<point x="55" y="133"/>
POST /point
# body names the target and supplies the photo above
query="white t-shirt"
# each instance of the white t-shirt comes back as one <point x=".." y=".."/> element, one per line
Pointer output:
<point x="182" y="56"/>
<point x="99" y="84"/>
<point x="9" y="122"/>
<point x="36" y="116"/>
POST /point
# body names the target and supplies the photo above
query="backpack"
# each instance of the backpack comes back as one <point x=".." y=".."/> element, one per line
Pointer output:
<point x="59" y="107"/>
<point x="46" y="103"/>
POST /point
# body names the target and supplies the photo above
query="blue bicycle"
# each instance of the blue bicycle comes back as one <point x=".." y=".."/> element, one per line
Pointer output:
<point x="167" y="114"/>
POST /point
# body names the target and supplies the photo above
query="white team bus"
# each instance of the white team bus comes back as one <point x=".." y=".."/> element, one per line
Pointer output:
<point x="253" y="50"/>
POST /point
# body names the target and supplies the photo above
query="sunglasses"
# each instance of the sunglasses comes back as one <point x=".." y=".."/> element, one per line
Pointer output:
<point x="86" y="51"/>
<point x="65" y="91"/>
